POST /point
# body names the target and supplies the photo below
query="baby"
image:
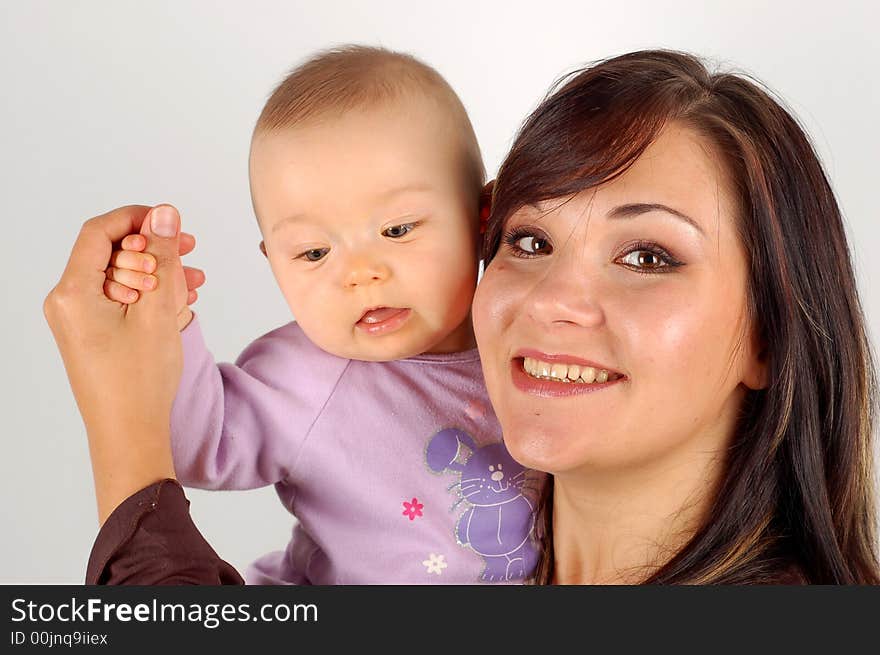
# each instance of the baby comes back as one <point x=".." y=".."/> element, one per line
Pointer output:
<point x="368" y="413"/>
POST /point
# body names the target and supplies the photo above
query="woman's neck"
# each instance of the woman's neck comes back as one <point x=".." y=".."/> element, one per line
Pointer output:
<point x="618" y="527"/>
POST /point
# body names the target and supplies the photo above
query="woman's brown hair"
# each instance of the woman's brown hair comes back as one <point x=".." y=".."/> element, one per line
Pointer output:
<point x="795" y="501"/>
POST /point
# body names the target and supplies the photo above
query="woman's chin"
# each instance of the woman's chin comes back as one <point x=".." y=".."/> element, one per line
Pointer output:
<point x="543" y="452"/>
<point x="566" y="451"/>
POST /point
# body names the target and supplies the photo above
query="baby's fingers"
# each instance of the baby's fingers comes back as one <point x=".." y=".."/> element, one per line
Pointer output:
<point x="137" y="242"/>
<point x="133" y="261"/>
<point x="119" y="293"/>
<point x="133" y="242"/>
<point x="132" y="279"/>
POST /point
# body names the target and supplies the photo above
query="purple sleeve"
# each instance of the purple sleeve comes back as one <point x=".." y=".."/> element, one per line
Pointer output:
<point x="150" y="539"/>
<point x="241" y="426"/>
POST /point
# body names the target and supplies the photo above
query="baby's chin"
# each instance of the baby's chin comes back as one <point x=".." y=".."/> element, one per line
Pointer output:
<point x="387" y="348"/>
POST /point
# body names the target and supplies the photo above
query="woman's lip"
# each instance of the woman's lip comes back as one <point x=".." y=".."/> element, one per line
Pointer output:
<point x="562" y="359"/>
<point x="390" y="324"/>
<point x="552" y="388"/>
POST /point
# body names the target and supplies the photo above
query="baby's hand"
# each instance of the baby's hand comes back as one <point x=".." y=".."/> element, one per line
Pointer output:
<point x="130" y="272"/>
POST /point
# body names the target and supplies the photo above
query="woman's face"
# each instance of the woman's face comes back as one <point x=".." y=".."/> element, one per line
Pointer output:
<point x="644" y="277"/>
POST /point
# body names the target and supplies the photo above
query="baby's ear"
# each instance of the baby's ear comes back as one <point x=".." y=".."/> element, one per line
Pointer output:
<point x="263" y="249"/>
<point x="486" y="205"/>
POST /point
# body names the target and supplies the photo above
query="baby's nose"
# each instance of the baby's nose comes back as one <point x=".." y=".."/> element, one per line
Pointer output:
<point x="364" y="272"/>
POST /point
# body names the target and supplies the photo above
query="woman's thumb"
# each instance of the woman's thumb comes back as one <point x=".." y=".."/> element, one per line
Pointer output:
<point x="161" y="228"/>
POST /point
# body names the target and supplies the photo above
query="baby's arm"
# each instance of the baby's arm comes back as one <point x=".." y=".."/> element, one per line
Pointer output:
<point x="131" y="269"/>
<point x="234" y="426"/>
<point x="241" y="426"/>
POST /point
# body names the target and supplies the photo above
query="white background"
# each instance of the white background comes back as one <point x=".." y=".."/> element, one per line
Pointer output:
<point x="111" y="103"/>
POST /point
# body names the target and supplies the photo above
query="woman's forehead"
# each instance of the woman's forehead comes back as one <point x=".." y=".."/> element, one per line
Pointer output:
<point x="678" y="174"/>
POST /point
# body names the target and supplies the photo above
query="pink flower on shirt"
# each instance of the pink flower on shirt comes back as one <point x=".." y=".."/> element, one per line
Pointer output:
<point x="412" y="509"/>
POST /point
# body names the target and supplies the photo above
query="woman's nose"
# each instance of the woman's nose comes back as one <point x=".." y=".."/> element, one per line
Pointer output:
<point x="565" y="298"/>
<point x="363" y="270"/>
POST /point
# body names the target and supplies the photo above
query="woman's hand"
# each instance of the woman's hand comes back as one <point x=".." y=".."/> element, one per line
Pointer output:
<point x="124" y="361"/>
<point x="129" y="274"/>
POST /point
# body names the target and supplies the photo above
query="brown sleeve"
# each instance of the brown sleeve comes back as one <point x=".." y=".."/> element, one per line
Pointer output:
<point x="150" y="539"/>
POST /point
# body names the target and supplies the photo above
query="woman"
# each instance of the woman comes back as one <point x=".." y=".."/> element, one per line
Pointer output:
<point x="667" y="242"/>
<point x="676" y="228"/>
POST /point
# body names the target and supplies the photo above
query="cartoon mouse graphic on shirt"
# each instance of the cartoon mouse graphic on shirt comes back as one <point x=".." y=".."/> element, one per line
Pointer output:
<point x="499" y="520"/>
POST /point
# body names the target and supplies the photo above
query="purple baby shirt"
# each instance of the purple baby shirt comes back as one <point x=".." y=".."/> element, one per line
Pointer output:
<point x="395" y="470"/>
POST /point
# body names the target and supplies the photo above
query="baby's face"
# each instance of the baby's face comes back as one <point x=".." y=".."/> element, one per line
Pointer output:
<point x="370" y="230"/>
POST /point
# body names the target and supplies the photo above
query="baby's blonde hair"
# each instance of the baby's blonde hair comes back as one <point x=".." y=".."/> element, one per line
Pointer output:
<point x="362" y="77"/>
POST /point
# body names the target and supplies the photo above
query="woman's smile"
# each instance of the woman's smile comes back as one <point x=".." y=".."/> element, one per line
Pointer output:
<point x="542" y="374"/>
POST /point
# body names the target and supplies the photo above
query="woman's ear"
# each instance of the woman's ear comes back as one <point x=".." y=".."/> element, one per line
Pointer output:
<point x="757" y="375"/>
<point x="263" y="249"/>
<point x="486" y="205"/>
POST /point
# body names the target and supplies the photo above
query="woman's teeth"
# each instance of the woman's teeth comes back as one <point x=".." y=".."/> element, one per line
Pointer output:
<point x="567" y="372"/>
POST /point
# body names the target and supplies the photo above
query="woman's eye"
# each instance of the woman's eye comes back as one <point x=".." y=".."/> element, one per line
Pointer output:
<point x="527" y="242"/>
<point x="532" y="245"/>
<point x="644" y="259"/>
<point x="398" y="231"/>
<point x="650" y="258"/>
<point x="315" y="254"/>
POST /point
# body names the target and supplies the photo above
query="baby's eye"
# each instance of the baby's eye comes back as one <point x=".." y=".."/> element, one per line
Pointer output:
<point x="313" y="255"/>
<point x="397" y="231"/>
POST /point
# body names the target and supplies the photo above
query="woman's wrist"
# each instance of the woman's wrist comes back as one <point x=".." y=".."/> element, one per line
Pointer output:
<point x="127" y="459"/>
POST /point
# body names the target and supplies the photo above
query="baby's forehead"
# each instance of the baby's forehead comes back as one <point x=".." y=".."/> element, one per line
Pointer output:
<point x="386" y="164"/>
<point x="387" y="145"/>
<point x="427" y="114"/>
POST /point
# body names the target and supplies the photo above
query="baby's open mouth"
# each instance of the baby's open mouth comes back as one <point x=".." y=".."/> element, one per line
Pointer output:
<point x="379" y="315"/>
<point x="381" y="320"/>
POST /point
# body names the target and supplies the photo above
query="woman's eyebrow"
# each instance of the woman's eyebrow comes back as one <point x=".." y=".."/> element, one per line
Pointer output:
<point x="636" y="209"/>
